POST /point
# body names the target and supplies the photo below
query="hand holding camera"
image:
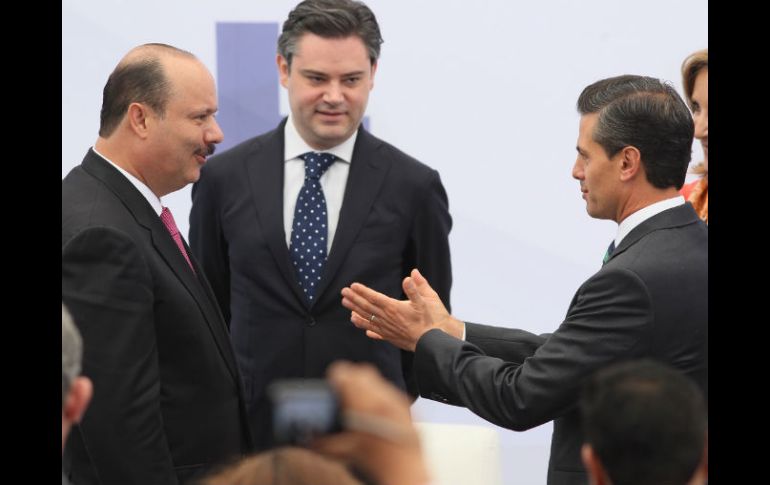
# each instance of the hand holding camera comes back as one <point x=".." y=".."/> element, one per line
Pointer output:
<point x="377" y="434"/>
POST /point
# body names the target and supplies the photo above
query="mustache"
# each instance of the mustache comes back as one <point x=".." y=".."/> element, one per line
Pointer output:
<point x="208" y="150"/>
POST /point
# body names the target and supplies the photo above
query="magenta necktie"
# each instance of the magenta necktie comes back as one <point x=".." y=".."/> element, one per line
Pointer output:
<point x="168" y="221"/>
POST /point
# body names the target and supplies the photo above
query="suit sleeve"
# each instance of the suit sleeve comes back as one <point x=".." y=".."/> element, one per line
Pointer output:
<point x="429" y="252"/>
<point x="510" y="344"/>
<point x="207" y="239"/>
<point x="107" y="285"/>
<point x="606" y="322"/>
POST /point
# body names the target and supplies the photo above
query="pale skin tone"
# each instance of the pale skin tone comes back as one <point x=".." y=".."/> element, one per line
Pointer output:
<point x="613" y="188"/>
<point x="700" y="112"/>
<point x="401" y="323"/>
<point x="616" y="187"/>
<point x="328" y="83"/>
<point x="75" y="405"/>
<point x="166" y="151"/>
<point x="363" y="390"/>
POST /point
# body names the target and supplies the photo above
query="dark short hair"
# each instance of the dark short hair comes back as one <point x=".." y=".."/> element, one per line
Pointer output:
<point x="646" y="422"/>
<point x="330" y="19"/>
<point x="645" y="113"/>
<point x="136" y="81"/>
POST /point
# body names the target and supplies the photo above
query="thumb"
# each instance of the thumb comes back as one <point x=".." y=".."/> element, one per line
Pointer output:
<point x="411" y="291"/>
<point x="421" y="283"/>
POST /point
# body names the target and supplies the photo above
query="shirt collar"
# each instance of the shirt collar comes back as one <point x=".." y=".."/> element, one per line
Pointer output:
<point x="630" y="222"/>
<point x="294" y="145"/>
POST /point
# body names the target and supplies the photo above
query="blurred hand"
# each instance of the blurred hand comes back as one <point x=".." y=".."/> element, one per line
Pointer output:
<point x="401" y="323"/>
<point x="378" y="435"/>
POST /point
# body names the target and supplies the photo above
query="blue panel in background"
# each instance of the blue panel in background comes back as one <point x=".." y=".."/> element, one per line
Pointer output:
<point x="247" y="80"/>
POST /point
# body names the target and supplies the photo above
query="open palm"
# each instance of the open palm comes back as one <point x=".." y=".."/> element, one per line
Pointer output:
<point x="401" y="323"/>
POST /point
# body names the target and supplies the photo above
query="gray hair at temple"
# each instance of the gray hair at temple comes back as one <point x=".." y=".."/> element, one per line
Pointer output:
<point x="330" y="19"/>
<point x="71" y="352"/>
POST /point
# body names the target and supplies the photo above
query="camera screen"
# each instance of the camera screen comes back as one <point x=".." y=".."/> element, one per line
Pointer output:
<point x="302" y="410"/>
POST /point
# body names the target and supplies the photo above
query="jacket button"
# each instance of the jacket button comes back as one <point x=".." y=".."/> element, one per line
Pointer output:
<point x="311" y="322"/>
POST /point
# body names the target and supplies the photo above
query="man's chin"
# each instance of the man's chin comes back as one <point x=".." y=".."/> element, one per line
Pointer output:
<point x="331" y="137"/>
<point x="193" y="176"/>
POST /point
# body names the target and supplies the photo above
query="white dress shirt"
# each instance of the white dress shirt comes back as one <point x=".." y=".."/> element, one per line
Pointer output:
<point x="333" y="181"/>
<point x="630" y="222"/>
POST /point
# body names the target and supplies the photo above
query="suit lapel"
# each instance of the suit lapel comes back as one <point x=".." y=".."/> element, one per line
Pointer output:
<point x="165" y="246"/>
<point x="678" y="216"/>
<point x="367" y="174"/>
<point x="266" y="172"/>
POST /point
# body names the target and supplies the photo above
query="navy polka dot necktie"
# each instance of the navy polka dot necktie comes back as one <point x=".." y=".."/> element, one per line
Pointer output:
<point x="309" y="229"/>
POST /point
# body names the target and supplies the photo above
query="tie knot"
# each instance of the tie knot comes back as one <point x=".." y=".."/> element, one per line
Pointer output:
<point x="317" y="163"/>
<point x="168" y="221"/>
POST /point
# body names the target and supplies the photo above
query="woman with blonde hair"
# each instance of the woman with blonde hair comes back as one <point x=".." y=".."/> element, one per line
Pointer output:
<point x="695" y="79"/>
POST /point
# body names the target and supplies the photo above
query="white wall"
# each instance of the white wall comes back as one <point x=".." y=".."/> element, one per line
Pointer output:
<point x="482" y="91"/>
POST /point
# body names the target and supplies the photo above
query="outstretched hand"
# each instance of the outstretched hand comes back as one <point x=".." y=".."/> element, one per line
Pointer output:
<point x="401" y="323"/>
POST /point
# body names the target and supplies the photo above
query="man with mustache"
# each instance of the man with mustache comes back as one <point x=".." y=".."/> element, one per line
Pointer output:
<point x="168" y="402"/>
<point x="283" y="221"/>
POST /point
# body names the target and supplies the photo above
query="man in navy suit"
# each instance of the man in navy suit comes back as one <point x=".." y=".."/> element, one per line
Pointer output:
<point x="378" y="213"/>
<point x="168" y="402"/>
<point x="649" y="299"/>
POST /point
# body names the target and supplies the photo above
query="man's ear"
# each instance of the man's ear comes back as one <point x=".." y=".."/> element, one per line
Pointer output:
<point x="701" y="475"/>
<point x="630" y="163"/>
<point x="596" y="474"/>
<point x="371" y="76"/>
<point x="78" y="398"/>
<point x="137" y="118"/>
<point x="283" y="69"/>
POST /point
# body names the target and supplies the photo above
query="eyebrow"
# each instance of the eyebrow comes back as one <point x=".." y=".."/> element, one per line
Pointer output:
<point x="311" y="72"/>
<point x="202" y="111"/>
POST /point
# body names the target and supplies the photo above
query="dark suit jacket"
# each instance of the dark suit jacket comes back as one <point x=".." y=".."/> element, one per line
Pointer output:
<point x="394" y="217"/>
<point x="649" y="300"/>
<point x="167" y="397"/>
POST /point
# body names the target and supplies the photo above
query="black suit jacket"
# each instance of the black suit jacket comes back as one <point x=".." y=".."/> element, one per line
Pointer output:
<point x="394" y="217"/>
<point x="167" y="397"/>
<point x="649" y="300"/>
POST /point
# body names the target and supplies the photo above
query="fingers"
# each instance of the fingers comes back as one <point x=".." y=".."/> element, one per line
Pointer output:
<point x="365" y="324"/>
<point x="358" y="305"/>
<point x="365" y="302"/>
<point x="359" y="321"/>
<point x="371" y="296"/>
<point x="341" y="446"/>
<point x="349" y="375"/>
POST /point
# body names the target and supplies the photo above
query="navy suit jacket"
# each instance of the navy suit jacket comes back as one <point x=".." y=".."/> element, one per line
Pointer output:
<point x="649" y="300"/>
<point x="394" y="217"/>
<point x="167" y="400"/>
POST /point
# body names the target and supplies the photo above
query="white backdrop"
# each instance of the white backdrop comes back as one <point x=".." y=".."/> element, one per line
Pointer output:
<point x="482" y="91"/>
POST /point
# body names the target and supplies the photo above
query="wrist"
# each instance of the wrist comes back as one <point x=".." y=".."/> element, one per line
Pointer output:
<point x="453" y="326"/>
